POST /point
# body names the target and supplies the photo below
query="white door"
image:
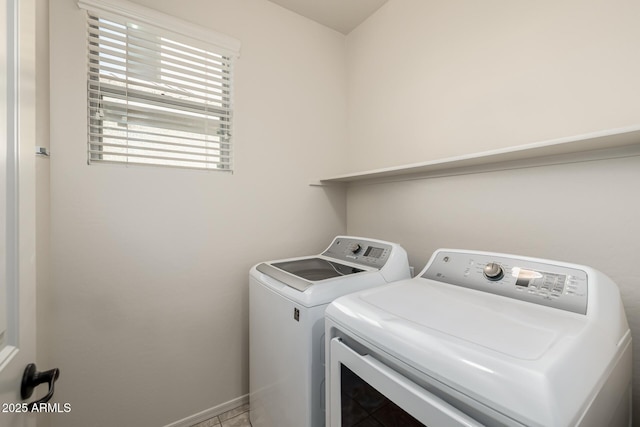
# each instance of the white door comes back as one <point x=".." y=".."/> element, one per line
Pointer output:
<point x="17" y="205"/>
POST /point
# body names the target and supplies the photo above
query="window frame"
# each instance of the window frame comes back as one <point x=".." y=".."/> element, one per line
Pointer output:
<point x="178" y="32"/>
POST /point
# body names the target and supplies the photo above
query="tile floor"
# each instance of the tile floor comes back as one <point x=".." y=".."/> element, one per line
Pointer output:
<point x="238" y="417"/>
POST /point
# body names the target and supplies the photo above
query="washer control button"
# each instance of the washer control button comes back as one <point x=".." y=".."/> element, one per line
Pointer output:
<point x="354" y="248"/>
<point x="493" y="271"/>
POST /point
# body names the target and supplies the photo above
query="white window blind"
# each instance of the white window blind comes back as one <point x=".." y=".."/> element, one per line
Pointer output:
<point x="154" y="98"/>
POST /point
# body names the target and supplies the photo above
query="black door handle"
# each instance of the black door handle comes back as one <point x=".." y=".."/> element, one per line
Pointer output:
<point x="32" y="378"/>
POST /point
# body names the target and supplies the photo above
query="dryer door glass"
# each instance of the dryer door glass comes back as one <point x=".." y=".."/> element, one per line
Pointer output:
<point x="316" y="268"/>
<point x="365" y="391"/>
<point x="361" y="404"/>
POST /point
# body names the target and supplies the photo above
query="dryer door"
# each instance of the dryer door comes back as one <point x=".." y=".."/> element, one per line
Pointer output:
<point x="363" y="387"/>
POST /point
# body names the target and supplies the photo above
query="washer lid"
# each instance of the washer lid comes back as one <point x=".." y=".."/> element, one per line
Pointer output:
<point x="316" y="268"/>
<point x="302" y="273"/>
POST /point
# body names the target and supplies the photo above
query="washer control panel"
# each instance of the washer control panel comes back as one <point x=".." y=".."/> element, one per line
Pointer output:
<point x="361" y="251"/>
<point x="541" y="283"/>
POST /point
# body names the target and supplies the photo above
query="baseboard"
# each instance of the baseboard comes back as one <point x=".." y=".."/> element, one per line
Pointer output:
<point x="211" y="412"/>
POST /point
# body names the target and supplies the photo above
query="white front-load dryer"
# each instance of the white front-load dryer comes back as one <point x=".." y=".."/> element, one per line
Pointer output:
<point x="287" y="300"/>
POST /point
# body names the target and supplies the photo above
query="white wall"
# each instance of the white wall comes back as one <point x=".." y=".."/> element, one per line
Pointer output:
<point x="148" y="309"/>
<point x="432" y="79"/>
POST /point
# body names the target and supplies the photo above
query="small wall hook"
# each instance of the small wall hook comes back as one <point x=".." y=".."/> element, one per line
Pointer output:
<point x="42" y="151"/>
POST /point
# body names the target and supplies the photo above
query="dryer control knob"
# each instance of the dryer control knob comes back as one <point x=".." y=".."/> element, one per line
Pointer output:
<point x="493" y="271"/>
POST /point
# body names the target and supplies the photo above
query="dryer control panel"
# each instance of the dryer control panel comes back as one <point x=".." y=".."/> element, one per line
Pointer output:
<point x="525" y="279"/>
<point x="361" y="251"/>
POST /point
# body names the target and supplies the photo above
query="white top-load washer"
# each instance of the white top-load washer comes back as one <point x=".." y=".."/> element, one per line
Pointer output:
<point x="481" y="338"/>
<point x="287" y="299"/>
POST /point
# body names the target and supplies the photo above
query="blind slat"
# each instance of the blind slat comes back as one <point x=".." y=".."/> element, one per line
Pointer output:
<point x="207" y="153"/>
<point x="120" y="65"/>
<point x="152" y="121"/>
<point x="154" y="48"/>
<point x="177" y="165"/>
<point x="153" y="100"/>
<point x="168" y="114"/>
<point x="117" y="63"/>
<point x="135" y="88"/>
<point x="111" y="154"/>
<point x="118" y="53"/>
<point x="109" y="28"/>
<point x="163" y="143"/>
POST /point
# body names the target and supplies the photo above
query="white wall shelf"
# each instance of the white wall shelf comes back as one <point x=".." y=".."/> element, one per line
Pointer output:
<point x="608" y="144"/>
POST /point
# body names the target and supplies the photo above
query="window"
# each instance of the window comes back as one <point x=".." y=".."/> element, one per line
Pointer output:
<point x="156" y="96"/>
